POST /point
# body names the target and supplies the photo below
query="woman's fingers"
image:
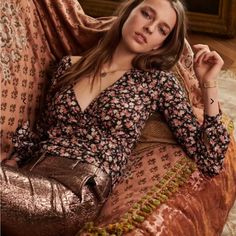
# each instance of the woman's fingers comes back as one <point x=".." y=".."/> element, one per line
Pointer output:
<point x="203" y="54"/>
<point x="214" y="58"/>
<point x="197" y="47"/>
<point x="200" y="57"/>
<point x="200" y="50"/>
<point x="207" y="63"/>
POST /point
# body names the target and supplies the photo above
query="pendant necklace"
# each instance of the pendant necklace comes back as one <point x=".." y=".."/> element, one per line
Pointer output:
<point x="105" y="73"/>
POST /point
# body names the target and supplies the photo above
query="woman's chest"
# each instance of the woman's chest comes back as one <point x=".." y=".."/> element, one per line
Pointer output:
<point x="126" y="99"/>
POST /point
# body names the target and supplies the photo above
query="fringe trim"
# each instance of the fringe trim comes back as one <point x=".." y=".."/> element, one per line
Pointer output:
<point x="228" y="122"/>
<point x="139" y="212"/>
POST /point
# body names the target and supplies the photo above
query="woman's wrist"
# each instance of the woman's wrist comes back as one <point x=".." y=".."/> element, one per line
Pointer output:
<point x="209" y="84"/>
<point x="210" y="96"/>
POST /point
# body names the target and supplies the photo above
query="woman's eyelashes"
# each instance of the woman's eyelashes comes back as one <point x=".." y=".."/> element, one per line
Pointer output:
<point x="149" y="16"/>
<point x="162" y="31"/>
<point x="146" y="14"/>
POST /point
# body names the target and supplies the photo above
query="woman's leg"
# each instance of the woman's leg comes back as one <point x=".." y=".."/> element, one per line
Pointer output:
<point x="36" y="205"/>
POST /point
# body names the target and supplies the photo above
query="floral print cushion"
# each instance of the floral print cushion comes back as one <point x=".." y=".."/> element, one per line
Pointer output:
<point x="151" y="173"/>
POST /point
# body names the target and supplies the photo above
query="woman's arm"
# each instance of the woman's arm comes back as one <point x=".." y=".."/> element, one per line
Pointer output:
<point x="207" y="143"/>
<point x="207" y="65"/>
<point x="26" y="142"/>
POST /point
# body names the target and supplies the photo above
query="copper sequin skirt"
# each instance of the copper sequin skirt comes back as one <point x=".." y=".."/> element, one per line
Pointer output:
<point x="54" y="196"/>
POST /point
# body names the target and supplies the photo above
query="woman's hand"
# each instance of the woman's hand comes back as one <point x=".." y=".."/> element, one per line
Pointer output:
<point x="207" y="63"/>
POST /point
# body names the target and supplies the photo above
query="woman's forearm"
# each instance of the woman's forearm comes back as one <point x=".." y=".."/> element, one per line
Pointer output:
<point x="207" y="66"/>
<point x="210" y="96"/>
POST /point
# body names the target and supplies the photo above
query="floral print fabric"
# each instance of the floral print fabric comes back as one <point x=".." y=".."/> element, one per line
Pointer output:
<point x="106" y="132"/>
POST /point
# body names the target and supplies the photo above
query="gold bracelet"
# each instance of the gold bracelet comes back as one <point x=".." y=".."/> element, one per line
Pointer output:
<point x="210" y="84"/>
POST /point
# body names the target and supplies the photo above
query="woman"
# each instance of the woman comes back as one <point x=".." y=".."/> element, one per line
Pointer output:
<point x="94" y="115"/>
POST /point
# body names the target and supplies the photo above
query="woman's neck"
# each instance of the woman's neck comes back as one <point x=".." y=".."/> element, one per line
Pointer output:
<point x="121" y="59"/>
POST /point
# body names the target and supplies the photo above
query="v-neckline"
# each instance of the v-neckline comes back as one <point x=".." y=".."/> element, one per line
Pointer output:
<point x="124" y="76"/>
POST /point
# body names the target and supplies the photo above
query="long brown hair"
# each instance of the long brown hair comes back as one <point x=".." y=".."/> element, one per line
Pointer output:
<point x="163" y="58"/>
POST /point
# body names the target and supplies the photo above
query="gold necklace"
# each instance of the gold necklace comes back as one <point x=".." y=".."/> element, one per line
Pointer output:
<point x="105" y="73"/>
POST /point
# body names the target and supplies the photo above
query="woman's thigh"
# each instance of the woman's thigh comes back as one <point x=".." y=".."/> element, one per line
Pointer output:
<point x="37" y="205"/>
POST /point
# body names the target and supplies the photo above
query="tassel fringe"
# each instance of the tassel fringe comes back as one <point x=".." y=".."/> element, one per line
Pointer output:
<point x="139" y="212"/>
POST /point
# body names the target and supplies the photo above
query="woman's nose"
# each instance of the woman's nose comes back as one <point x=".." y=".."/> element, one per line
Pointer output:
<point x="149" y="28"/>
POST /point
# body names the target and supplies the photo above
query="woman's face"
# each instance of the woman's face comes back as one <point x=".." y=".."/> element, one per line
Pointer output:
<point x="148" y="25"/>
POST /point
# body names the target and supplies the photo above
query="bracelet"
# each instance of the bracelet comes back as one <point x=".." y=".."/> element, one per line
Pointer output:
<point x="210" y="84"/>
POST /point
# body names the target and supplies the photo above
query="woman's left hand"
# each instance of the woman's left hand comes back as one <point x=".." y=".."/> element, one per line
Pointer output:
<point x="207" y="63"/>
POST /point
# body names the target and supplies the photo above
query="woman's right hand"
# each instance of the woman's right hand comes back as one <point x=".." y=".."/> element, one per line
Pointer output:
<point x="207" y="63"/>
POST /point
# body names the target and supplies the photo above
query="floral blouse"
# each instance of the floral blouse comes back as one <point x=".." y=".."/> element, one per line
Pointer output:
<point x="106" y="132"/>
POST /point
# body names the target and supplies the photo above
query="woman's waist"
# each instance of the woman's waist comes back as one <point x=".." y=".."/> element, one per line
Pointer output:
<point x="70" y="172"/>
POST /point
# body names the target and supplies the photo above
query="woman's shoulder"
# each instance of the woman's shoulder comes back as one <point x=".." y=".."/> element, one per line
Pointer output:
<point x="160" y="75"/>
<point x="64" y="64"/>
<point x="74" y="59"/>
<point x="164" y="79"/>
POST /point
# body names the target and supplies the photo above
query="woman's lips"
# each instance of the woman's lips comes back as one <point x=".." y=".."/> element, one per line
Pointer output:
<point x="140" y="38"/>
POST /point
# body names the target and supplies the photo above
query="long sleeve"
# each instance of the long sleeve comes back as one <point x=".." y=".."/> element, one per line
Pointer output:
<point x="45" y="121"/>
<point x="27" y="142"/>
<point x="207" y="143"/>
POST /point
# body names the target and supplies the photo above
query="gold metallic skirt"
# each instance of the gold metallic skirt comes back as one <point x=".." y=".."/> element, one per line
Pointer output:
<point x="52" y="196"/>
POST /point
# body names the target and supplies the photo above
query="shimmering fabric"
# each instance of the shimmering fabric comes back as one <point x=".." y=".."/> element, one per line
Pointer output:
<point x="33" y="204"/>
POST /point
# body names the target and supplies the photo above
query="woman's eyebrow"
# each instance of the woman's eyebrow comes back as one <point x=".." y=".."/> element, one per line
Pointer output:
<point x="149" y="8"/>
<point x="156" y="14"/>
<point x="165" y="25"/>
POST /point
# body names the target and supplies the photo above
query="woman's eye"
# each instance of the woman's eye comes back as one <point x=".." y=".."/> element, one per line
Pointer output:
<point x="146" y="14"/>
<point x="163" y="32"/>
